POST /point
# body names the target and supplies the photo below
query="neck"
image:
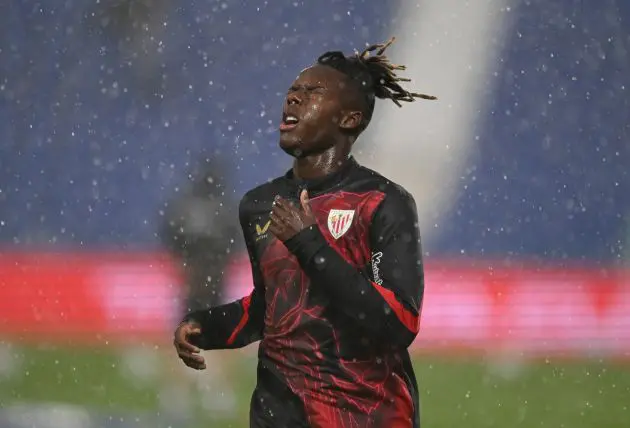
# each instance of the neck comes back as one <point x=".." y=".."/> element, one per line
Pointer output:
<point x="319" y="165"/>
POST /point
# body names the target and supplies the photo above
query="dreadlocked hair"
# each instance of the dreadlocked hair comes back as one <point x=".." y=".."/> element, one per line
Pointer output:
<point x="383" y="72"/>
<point x="375" y="74"/>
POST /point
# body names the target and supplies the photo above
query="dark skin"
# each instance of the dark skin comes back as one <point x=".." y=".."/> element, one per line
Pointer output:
<point x="329" y="113"/>
<point x="187" y="352"/>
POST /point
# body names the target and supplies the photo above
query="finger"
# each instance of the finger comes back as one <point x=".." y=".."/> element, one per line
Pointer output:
<point x="276" y="227"/>
<point x="192" y="360"/>
<point x="193" y="363"/>
<point x="281" y="205"/>
<point x="278" y="211"/>
<point x="277" y="218"/>
<point x="183" y="353"/>
<point x="276" y="231"/>
<point x="281" y="216"/>
<point x="181" y="343"/>
<point x="305" y="202"/>
<point x="285" y="205"/>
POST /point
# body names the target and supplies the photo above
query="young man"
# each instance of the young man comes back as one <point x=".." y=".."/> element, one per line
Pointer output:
<point x="337" y="266"/>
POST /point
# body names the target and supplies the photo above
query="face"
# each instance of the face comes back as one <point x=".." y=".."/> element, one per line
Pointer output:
<point x="315" y="113"/>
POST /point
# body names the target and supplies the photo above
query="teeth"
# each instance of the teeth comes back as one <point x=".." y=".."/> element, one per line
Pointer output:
<point x="291" y="119"/>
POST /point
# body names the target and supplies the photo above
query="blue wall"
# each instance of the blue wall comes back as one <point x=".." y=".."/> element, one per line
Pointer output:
<point x="92" y="144"/>
<point x="91" y="147"/>
<point x="551" y="178"/>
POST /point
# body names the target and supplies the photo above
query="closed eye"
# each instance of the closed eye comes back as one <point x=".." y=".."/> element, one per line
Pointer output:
<point x="307" y="88"/>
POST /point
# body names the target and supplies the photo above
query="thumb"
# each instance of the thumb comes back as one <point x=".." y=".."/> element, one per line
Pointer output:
<point x="305" y="202"/>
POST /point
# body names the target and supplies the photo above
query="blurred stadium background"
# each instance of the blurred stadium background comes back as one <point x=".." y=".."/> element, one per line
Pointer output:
<point x="520" y="172"/>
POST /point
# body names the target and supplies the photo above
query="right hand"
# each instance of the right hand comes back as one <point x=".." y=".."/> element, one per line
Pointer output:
<point x="187" y="352"/>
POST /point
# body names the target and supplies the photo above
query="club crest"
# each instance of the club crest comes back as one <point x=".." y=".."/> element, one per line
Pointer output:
<point x="339" y="221"/>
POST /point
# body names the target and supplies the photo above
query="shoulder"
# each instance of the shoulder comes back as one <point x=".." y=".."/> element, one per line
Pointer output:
<point x="396" y="211"/>
<point x="392" y="193"/>
<point x="258" y="198"/>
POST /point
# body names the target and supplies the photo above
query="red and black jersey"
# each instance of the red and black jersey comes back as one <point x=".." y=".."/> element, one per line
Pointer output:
<point x="335" y="307"/>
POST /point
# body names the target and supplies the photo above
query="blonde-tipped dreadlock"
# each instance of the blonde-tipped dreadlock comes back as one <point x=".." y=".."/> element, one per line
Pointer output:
<point x="383" y="72"/>
<point x="374" y="76"/>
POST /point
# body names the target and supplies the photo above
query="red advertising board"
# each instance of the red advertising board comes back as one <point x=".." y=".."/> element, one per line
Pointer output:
<point x="534" y="311"/>
<point x="117" y="297"/>
<point x="89" y="296"/>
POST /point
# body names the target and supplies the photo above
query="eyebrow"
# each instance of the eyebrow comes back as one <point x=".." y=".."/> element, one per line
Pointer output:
<point x="306" y="87"/>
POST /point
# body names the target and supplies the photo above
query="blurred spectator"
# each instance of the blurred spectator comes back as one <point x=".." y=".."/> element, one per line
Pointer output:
<point x="199" y="230"/>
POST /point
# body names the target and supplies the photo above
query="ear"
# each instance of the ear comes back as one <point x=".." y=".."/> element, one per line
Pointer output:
<point x="351" y="120"/>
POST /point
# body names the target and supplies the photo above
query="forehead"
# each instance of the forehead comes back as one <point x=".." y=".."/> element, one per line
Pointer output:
<point x="321" y="75"/>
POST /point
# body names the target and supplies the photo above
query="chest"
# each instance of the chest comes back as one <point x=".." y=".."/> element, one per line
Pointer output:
<point x="343" y="218"/>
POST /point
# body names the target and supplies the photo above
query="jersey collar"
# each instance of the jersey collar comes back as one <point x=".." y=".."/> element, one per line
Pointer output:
<point x="323" y="184"/>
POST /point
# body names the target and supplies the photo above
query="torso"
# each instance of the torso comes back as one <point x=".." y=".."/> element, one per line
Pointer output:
<point x="323" y="356"/>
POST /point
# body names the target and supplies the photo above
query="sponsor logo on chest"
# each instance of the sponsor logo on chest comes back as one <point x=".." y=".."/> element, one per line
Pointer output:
<point x="261" y="232"/>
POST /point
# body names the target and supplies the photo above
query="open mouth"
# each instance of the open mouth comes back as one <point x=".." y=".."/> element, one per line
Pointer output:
<point x="288" y="123"/>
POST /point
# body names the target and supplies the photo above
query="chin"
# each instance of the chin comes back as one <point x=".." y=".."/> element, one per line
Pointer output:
<point x="290" y="144"/>
<point x="294" y="151"/>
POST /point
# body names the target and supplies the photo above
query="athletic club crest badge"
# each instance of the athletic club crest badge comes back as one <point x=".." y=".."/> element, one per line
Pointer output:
<point x="339" y="222"/>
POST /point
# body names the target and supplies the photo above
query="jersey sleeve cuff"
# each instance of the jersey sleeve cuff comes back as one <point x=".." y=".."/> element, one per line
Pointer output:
<point x="306" y="244"/>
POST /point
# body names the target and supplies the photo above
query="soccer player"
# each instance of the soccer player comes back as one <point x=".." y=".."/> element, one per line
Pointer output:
<point x="337" y="266"/>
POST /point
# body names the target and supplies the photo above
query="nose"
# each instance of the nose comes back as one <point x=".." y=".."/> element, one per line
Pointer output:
<point x="293" y="98"/>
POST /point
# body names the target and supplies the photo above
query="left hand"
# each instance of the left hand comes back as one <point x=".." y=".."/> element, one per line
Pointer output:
<point x="287" y="220"/>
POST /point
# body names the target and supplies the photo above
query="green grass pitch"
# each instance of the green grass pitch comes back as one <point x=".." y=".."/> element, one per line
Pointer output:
<point x="474" y="392"/>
